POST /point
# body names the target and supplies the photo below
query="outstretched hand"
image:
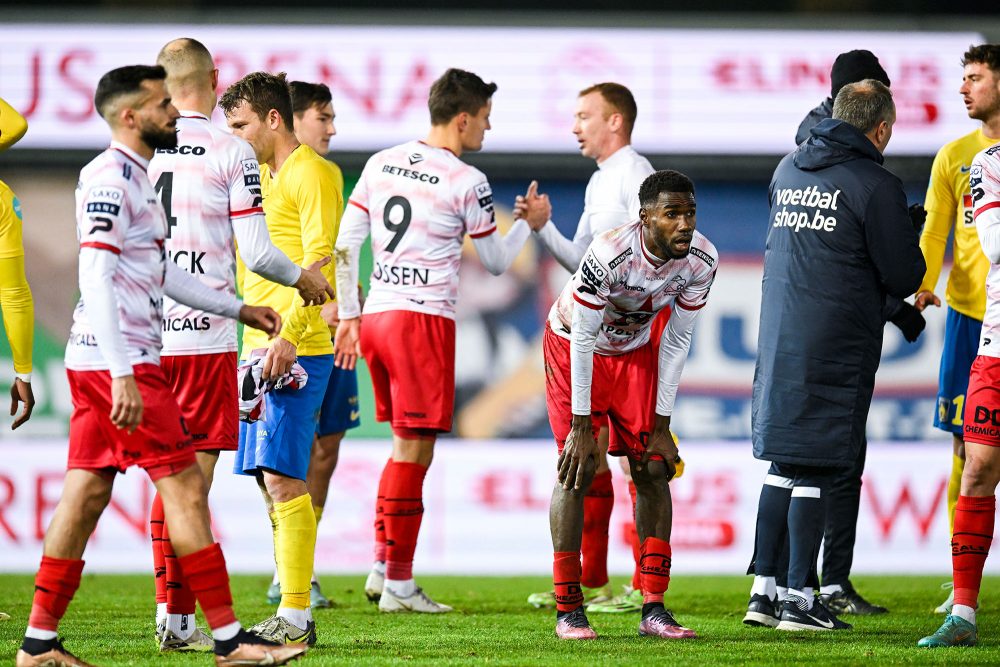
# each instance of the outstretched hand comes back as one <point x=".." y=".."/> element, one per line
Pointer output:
<point x="312" y="285"/>
<point x="533" y="207"/>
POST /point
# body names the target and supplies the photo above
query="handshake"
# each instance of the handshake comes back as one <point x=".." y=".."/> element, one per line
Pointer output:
<point x="533" y="207"/>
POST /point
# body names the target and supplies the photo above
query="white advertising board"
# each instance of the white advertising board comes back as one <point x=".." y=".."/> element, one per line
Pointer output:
<point x="487" y="511"/>
<point x="698" y="91"/>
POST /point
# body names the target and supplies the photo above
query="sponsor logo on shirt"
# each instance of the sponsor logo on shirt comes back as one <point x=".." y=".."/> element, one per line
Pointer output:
<point x="965" y="168"/>
<point x="105" y="199"/>
<point x="414" y="158"/>
<point x="421" y="176"/>
<point x="183" y="150"/>
<point x="251" y="173"/>
<point x="703" y="256"/>
<point x="591" y="275"/>
<point x="187" y="324"/>
<point x="619" y="259"/>
<point x="993" y="150"/>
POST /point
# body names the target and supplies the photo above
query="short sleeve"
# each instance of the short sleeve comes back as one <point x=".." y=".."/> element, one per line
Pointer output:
<point x="104" y="217"/>
<point x="243" y="181"/>
<point x="476" y="196"/>
<point x="694" y="296"/>
<point x="592" y="281"/>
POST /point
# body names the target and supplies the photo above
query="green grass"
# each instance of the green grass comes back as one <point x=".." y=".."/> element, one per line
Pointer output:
<point x="111" y="623"/>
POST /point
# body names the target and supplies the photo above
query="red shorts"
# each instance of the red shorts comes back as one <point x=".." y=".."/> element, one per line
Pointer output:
<point x="411" y="357"/>
<point x="622" y="395"/>
<point x="982" y="402"/>
<point x="205" y="388"/>
<point x="160" y="444"/>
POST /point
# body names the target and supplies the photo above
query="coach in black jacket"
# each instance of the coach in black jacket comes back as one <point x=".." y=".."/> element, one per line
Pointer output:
<point x="840" y="239"/>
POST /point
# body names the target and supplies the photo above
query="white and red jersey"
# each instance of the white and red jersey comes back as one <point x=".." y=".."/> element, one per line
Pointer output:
<point x="117" y="211"/>
<point x="619" y="277"/>
<point x="206" y="184"/>
<point x="984" y="182"/>
<point x="421" y="202"/>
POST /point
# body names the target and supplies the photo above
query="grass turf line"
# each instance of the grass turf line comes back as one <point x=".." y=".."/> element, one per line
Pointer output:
<point x="111" y="623"/>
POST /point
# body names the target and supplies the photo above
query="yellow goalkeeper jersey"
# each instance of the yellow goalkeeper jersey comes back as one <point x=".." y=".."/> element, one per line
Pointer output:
<point x="15" y="295"/>
<point x="948" y="204"/>
<point x="302" y="206"/>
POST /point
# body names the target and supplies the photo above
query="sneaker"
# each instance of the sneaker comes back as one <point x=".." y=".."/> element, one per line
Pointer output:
<point x="762" y="611"/>
<point x="253" y="650"/>
<point x="274" y="594"/>
<point x="55" y="656"/>
<point x="818" y="618"/>
<point x="629" y="601"/>
<point x="198" y="641"/>
<point x="849" y="601"/>
<point x="282" y="631"/>
<point x="316" y="598"/>
<point x="417" y="602"/>
<point x="161" y="629"/>
<point x="660" y="623"/>
<point x="574" y="625"/>
<point x="955" y="631"/>
<point x="946" y="606"/>
<point x="547" y="600"/>
<point x="374" y="585"/>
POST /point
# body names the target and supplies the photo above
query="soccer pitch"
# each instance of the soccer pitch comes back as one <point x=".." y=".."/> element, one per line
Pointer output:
<point x="111" y="623"/>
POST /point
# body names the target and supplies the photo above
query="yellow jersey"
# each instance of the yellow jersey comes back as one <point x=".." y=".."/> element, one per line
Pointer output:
<point x="12" y="125"/>
<point x="15" y="295"/>
<point x="302" y="206"/>
<point x="949" y="203"/>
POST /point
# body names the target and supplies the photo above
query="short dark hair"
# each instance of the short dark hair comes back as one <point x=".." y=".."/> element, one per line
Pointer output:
<point x="619" y="98"/>
<point x="458" y="91"/>
<point x="124" y="81"/>
<point x="865" y="104"/>
<point x="263" y="91"/>
<point x="306" y="95"/>
<point x="987" y="54"/>
<point x="666" y="180"/>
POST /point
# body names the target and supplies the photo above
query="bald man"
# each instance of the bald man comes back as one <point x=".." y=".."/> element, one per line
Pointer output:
<point x="210" y="189"/>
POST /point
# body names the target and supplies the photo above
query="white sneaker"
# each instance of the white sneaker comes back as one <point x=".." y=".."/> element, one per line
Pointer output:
<point x="198" y="641"/>
<point x="945" y="607"/>
<point x="418" y="602"/>
<point x="374" y="585"/>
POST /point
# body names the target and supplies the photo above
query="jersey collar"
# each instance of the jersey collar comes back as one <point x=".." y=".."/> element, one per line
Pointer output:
<point x="187" y="113"/>
<point x="620" y="156"/>
<point x="142" y="162"/>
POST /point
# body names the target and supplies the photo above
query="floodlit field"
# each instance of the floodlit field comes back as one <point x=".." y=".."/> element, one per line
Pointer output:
<point x="111" y="623"/>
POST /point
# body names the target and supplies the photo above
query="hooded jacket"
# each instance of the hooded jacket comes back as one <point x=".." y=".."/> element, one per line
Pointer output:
<point x="839" y="241"/>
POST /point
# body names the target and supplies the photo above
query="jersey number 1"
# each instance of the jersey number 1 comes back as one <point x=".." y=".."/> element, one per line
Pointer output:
<point x="397" y="228"/>
<point x="164" y="189"/>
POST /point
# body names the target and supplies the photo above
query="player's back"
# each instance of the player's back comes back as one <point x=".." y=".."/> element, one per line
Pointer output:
<point x="421" y="201"/>
<point x="201" y="183"/>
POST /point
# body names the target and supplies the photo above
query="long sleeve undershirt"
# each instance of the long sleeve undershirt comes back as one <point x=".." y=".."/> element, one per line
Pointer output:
<point x="260" y="255"/>
<point x="18" y="313"/>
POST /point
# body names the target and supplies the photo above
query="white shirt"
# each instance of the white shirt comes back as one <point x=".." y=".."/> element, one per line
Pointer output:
<point x="418" y="202"/>
<point x="623" y="287"/>
<point x="984" y="182"/>
<point x="611" y="200"/>
<point x="209" y="186"/>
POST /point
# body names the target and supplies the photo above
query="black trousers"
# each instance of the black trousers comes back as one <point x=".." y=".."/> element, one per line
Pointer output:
<point x="843" y="498"/>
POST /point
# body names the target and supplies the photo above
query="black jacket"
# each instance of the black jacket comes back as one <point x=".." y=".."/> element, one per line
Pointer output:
<point x="812" y="119"/>
<point x="839" y="241"/>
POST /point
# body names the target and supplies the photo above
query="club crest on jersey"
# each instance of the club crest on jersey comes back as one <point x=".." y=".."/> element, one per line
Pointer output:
<point x="415" y="158"/>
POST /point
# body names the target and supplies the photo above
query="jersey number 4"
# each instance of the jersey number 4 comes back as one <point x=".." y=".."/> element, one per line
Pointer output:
<point x="164" y="190"/>
<point x="397" y="228"/>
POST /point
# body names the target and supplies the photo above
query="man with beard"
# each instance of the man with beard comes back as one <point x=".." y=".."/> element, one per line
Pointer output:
<point x="112" y="361"/>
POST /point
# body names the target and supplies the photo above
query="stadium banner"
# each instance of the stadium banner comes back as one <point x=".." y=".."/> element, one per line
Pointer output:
<point x="487" y="510"/>
<point x="699" y="91"/>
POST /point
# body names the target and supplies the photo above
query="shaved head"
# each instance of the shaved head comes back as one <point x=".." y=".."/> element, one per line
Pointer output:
<point x="189" y="66"/>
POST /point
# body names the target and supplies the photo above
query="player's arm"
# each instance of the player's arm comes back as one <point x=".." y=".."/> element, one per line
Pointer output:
<point x="12" y="125"/>
<point x="568" y="252"/>
<point x="355" y="227"/>
<point x="184" y="288"/>
<point x="496" y="254"/>
<point x="940" y="204"/>
<point x="986" y="202"/>
<point x="892" y="242"/>
<point x="19" y="323"/>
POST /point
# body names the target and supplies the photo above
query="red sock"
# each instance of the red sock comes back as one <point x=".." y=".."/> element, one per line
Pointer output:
<point x="654" y="569"/>
<point x="156" y="525"/>
<point x="379" y="516"/>
<point x="633" y="536"/>
<point x="403" y="510"/>
<point x="209" y="581"/>
<point x="597" y="506"/>
<point x="566" y="580"/>
<point x="180" y="598"/>
<point x="55" y="586"/>
<point x="970" y="545"/>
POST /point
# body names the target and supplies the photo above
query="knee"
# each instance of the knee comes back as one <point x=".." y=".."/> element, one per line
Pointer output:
<point x="93" y="501"/>
<point x="652" y="477"/>
<point x="979" y="472"/>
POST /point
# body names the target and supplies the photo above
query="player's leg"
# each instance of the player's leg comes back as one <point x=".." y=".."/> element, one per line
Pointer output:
<point x="961" y="345"/>
<point x="843" y="500"/>
<point x="769" y="561"/>
<point x="85" y="495"/>
<point x="375" y="581"/>
<point x="800" y="610"/>
<point x="630" y="599"/>
<point x="283" y="441"/>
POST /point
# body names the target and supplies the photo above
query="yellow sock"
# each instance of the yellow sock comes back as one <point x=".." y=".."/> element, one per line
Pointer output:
<point x="318" y="511"/>
<point x="274" y="533"/>
<point x="954" y="487"/>
<point x="294" y="548"/>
